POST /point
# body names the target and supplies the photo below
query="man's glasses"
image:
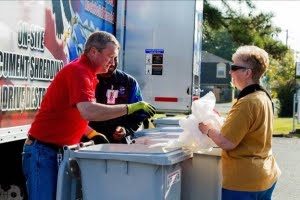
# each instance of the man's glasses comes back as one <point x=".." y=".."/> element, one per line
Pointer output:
<point x="236" y="67"/>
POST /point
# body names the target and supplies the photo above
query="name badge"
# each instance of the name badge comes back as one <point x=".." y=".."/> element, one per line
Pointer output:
<point x="111" y="96"/>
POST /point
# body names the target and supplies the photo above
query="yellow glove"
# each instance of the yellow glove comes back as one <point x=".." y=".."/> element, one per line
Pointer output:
<point x="98" y="138"/>
<point x="141" y="106"/>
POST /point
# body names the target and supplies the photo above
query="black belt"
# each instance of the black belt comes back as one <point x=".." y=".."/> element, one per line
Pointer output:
<point x="52" y="146"/>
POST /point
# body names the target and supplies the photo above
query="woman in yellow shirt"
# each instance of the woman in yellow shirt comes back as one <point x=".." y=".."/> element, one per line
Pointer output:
<point x="248" y="167"/>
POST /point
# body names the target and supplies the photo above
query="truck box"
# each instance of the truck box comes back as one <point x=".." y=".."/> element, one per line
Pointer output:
<point x="160" y="46"/>
<point x="162" y="49"/>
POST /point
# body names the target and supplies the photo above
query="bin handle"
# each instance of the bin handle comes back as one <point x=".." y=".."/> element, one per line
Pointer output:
<point x="80" y="145"/>
<point x="74" y="168"/>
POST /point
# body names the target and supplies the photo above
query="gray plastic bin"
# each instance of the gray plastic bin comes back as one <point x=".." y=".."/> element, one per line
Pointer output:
<point x="166" y="122"/>
<point x="133" y="172"/>
<point x="160" y="131"/>
<point x="157" y="135"/>
<point x="201" y="175"/>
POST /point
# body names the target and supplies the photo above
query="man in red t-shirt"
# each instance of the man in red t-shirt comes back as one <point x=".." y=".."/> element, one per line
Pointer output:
<point x="67" y="106"/>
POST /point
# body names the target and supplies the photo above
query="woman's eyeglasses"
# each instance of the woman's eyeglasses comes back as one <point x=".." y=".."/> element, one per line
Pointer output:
<point x="236" y="67"/>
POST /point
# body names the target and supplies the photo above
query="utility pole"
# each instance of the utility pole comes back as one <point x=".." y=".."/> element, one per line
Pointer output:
<point x="287" y="37"/>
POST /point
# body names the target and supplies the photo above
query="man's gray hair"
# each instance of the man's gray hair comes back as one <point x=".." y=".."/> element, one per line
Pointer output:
<point x="99" y="40"/>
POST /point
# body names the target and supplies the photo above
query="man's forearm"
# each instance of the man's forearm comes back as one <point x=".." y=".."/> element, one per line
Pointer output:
<point x="100" y="112"/>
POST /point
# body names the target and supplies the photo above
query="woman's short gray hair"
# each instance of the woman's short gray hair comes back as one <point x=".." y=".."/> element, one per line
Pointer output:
<point x="99" y="40"/>
<point x="255" y="58"/>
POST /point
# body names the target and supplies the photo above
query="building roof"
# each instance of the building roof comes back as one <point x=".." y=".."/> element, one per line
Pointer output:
<point x="211" y="58"/>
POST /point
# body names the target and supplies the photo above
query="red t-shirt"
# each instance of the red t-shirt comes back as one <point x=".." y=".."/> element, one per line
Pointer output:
<point x="58" y="120"/>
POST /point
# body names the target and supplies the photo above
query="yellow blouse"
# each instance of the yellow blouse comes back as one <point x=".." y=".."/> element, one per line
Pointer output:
<point x="251" y="165"/>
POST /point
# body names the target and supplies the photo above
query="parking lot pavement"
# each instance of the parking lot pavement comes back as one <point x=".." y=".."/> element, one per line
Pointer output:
<point x="223" y="108"/>
<point x="287" y="153"/>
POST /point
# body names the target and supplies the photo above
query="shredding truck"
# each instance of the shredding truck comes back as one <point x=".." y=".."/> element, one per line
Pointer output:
<point x="160" y="47"/>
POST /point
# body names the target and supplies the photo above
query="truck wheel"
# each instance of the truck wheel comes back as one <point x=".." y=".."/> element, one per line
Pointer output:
<point x="11" y="192"/>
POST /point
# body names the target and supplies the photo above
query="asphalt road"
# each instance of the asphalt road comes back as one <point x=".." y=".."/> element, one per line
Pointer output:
<point x="287" y="154"/>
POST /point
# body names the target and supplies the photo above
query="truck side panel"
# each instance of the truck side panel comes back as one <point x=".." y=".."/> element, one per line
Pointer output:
<point x="37" y="39"/>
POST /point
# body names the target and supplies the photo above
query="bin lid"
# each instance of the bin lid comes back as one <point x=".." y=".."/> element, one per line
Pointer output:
<point x="216" y="151"/>
<point x="134" y="153"/>
<point x="168" y="131"/>
<point x="167" y="120"/>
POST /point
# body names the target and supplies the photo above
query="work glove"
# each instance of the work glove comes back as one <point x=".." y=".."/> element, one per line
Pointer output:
<point x="141" y="105"/>
<point x="98" y="138"/>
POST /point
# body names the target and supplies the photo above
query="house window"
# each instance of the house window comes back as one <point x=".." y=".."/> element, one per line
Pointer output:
<point x="221" y="70"/>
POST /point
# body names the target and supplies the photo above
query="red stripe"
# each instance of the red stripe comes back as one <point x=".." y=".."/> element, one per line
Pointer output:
<point x="166" y="99"/>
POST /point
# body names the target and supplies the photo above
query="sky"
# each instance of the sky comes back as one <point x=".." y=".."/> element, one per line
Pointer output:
<point x="287" y="17"/>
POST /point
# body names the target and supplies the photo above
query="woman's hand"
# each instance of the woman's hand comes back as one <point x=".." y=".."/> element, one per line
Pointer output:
<point x="216" y="136"/>
<point x="205" y="129"/>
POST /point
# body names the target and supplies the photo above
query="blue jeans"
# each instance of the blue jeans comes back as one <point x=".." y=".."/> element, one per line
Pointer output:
<point x="237" y="195"/>
<point x="40" y="170"/>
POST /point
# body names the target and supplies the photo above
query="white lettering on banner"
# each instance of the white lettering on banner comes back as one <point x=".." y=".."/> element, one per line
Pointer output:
<point x="20" y="98"/>
<point x="30" y="35"/>
<point x="44" y="69"/>
<point x="17" y="66"/>
<point x="99" y="11"/>
<point x="19" y="73"/>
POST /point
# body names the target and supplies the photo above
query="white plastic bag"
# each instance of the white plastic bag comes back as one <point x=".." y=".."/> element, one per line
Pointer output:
<point x="202" y="111"/>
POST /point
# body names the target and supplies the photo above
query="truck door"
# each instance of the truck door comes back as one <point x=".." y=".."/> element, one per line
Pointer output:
<point x="161" y="49"/>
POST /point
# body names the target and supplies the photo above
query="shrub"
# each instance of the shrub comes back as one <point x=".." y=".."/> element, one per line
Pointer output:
<point x="285" y="95"/>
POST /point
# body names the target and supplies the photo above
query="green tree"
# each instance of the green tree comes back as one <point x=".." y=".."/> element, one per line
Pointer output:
<point x="226" y="29"/>
<point x="281" y="76"/>
<point x="229" y="29"/>
<point x="220" y="43"/>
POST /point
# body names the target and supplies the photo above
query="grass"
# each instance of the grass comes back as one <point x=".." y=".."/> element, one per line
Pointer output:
<point x="284" y="127"/>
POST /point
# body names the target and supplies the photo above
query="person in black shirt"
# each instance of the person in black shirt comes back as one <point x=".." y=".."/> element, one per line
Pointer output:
<point x="117" y="87"/>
